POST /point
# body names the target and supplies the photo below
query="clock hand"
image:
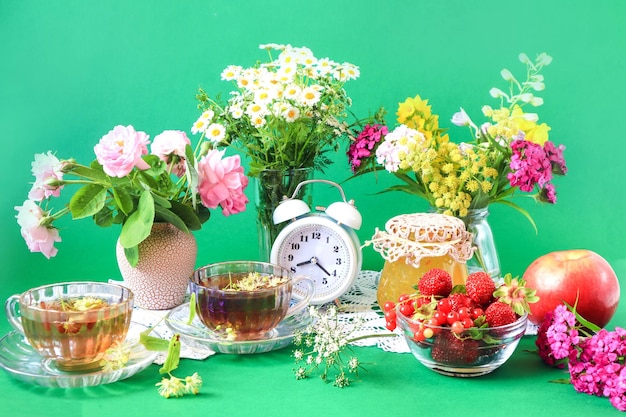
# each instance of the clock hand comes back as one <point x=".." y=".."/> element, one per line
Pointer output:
<point x="306" y="262"/>
<point x="321" y="267"/>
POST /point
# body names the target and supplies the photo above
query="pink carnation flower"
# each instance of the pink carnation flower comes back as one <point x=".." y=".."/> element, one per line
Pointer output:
<point x="120" y="150"/>
<point x="222" y="182"/>
<point x="38" y="237"/>
<point x="169" y="146"/>
<point x="46" y="168"/>
<point x="362" y="147"/>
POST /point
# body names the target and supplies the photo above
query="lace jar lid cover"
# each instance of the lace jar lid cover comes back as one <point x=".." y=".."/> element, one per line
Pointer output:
<point x="418" y="235"/>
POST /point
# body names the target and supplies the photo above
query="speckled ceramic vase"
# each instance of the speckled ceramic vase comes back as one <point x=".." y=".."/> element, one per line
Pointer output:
<point x="167" y="259"/>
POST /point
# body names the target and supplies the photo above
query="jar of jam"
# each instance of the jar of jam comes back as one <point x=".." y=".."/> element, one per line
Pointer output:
<point x="412" y="244"/>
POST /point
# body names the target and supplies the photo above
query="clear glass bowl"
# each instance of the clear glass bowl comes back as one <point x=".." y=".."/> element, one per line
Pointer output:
<point x="471" y="353"/>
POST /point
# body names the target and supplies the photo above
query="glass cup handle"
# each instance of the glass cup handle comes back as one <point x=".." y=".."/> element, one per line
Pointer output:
<point x="12" y="310"/>
<point x="310" y="287"/>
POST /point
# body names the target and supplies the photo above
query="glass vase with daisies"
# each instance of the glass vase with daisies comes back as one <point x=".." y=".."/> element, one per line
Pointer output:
<point x="285" y="115"/>
<point x="166" y="192"/>
<point x="509" y="151"/>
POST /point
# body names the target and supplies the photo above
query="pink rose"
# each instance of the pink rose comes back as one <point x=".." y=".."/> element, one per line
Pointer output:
<point x="169" y="146"/>
<point x="38" y="238"/>
<point x="120" y="150"/>
<point x="45" y="168"/>
<point x="221" y="182"/>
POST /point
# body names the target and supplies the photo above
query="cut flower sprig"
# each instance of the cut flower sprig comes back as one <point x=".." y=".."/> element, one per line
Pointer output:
<point x="284" y="113"/>
<point x="128" y="186"/>
<point x="595" y="357"/>
<point x="324" y="347"/>
<point x="509" y="151"/>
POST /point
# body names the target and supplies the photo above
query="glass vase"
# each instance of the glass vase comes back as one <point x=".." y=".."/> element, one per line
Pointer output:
<point x="272" y="186"/>
<point x="485" y="257"/>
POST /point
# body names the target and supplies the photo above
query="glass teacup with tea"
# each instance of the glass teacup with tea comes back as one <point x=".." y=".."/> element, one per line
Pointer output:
<point x="72" y="324"/>
<point x="246" y="300"/>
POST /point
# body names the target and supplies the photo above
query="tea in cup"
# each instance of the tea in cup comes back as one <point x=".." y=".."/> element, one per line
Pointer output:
<point x="245" y="300"/>
<point x="72" y="324"/>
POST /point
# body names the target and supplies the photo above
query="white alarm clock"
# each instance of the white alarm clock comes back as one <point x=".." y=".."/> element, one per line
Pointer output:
<point x="320" y="244"/>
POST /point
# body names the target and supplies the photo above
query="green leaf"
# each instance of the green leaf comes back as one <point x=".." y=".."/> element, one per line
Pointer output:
<point x="521" y="210"/>
<point x="87" y="201"/>
<point x="173" y="355"/>
<point x="165" y="215"/>
<point x="192" y="308"/>
<point x="123" y="199"/>
<point x="139" y="224"/>
<point x="132" y="255"/>
<point x="161" y="201"/>
<point x="104" y="218"/>
<point x="188" y="215"/>
<point x="90" y="173"/>
<point x="153" y="343"/>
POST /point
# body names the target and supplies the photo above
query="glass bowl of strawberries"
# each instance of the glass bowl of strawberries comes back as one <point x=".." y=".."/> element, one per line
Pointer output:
<point x="465" y="331"/>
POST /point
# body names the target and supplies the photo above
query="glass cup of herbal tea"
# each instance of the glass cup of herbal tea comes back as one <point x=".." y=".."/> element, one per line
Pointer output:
<point x="72" y="324"/>
<point x="246" y="300"/>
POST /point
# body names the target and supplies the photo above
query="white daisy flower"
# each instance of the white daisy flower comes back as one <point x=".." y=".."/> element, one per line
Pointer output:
<point x="292" y="91"/>
<point x="258" y="121"/>
<point x="199" y="126"/>
<point x="268" y="46"/>
<point x="236" y="111"/>
<point x="310" y="96"/>
<point x="231" y="72"/>
<point x="325" y="66"/>
<point x="215" y="132"/>
<point x="256" y="109"/>
<point x="263" y="96"/>
<point x="351" y="71"/>
<point x="286" y="73"/>
<point x="291" y="114"/>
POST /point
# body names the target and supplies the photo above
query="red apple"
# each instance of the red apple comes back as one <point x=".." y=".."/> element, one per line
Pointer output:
<point x="565" y="275"/>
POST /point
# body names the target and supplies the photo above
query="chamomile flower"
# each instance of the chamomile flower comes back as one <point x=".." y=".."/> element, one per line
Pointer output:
<point x="231" y="72"/>
<point x="292" y="92"/>
<point x="310" y="96"/>
<point x="258" y="121"/>
<point x="203" y="122"/>
<point x="325" y="66"/>
<point x="256" y="109"/>
<point x="215" y="132"/>
<point x="236" y="111"/>
<point x="291" y="114"/>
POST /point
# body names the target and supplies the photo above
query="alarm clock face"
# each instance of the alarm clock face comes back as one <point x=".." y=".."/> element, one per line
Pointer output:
<point x="323" y="251"/>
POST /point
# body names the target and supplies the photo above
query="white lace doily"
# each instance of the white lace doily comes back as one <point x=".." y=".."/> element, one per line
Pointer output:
<point x="360" y="301"/>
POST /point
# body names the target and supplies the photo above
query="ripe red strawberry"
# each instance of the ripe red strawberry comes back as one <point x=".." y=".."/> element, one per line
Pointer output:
<point x="480" y="287"/>
<point x="458" y="300"/>
<point x="435" y="282"/>
<point x="450" y="350"/>
<point x="499" y="314"/>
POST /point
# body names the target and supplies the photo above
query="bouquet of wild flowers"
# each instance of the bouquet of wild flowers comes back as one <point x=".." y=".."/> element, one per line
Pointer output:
<point x="126" y="185"/>
<point x="284" y="114"/>
<point x="596" y="358"/>
<point x="509" y="151"/>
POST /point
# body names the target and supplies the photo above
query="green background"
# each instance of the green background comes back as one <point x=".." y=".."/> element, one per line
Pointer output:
<point x="71" y="70"/>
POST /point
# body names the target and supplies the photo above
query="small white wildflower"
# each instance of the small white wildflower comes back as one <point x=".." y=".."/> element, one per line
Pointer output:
<point x="116" y="356"/>
<point x="353" y="364"/>
<point x="193" y="384"/>
<point x="172" y="386"/>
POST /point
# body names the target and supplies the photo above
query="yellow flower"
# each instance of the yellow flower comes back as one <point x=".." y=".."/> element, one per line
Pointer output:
<point x="538" y="134"/>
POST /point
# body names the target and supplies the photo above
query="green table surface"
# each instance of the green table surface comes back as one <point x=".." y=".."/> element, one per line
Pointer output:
<point x="264" y="385"/>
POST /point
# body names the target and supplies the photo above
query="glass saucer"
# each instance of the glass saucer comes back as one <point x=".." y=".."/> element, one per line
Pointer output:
<point x="23" y="362"/>
<point x="198" y="335"/>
